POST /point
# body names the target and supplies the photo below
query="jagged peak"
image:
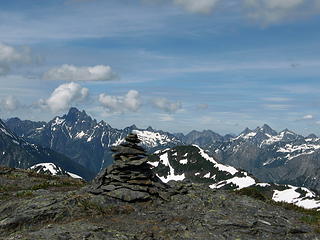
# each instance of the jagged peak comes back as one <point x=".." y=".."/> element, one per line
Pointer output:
<point x="287" y="131"/>
<point x="266" y="129"/>
<point x="150" y="129"/>
<point x="75" y="114"/>
<point x="133" y="126"/>
<point x="246" y="131"/>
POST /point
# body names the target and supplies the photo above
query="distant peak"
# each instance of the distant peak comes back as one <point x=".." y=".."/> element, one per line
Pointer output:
<point x="133" y="126"/>
<point x="312" y="135"/>
<point x="287" y="131"/>
<point x="74" y="114"/>
<point x="266" y="126"/>
<point x="266" y="129"/>
<point x="74" y="110"/>
<point x="150" y="128"/>
<point x="246" y="131"/>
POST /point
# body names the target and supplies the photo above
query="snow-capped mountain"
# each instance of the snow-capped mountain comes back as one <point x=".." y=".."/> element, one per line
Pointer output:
<point x="193" y="164"/>
<point x="280" y="157"/>
<point x="52" y="169"/>
<point x="283" y="157"/>
<point x="18" y="153"/>
<point x="87" y="141"/>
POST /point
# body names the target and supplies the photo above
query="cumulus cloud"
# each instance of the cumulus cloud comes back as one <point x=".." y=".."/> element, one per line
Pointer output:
<point x="64" y="96"/>
<point x="167" y="106"/>
<point x="198" y="6"/>
<point x="10" y="104"/>
<point x="68" y="72"/>
<point x="129" y="102"/>
<point x="10" y="56"/>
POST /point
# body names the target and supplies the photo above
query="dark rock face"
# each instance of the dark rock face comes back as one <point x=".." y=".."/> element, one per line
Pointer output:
<point x="130" y="178"/>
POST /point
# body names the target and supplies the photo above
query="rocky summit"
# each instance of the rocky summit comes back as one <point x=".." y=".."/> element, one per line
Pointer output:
<point x="127" y="201"/>
<point x="130" y="178"/>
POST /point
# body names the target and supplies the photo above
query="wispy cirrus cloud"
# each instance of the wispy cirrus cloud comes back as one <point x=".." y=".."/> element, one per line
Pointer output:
<point x="277" y="107"/>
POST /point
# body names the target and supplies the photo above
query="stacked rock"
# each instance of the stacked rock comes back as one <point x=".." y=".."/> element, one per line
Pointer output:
<point x="130" y="178"/>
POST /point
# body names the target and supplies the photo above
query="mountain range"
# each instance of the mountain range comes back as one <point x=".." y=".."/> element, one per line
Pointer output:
<point x="280" y="157"/>
<point x="18" y="153"/>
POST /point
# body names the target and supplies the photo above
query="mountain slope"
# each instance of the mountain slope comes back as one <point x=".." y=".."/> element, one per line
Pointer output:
<point x="283" y="157"/>
<point x="193" y="164"/>
<point x="18" y="153"/>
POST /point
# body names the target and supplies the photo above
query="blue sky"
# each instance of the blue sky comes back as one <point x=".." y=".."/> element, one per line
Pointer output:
<point x="176" y="65"/>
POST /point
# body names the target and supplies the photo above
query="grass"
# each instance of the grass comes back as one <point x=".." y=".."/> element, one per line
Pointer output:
<point x="25" y="194"/>
<point x="252" y="192"/>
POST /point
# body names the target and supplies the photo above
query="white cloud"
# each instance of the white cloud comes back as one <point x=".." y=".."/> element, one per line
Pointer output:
<point x="10" y="104"/>
<point x="167" y="106"/>
<point x="197" y="6"/>
<point x="308" y="117"/>
<point x="10" y="56"/>
<point x="129" y="102"/>
<point x="264" y="11"/>
<point x="273" y="11"/>
<point x="64" y="96"/>
<point x="277" y="106"/>
<point x="68" y="72"/>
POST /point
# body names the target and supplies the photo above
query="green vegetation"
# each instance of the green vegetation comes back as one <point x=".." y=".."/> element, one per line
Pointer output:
<point x="25" y="194"/>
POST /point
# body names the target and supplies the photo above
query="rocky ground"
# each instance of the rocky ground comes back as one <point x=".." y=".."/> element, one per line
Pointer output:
<point x="37" y="206"/>
<point x="127" y="201"/>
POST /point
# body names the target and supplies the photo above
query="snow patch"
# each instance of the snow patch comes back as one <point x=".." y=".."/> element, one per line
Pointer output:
<point x="183" y="161"/>
<point x="221" y="167"/>
<point x="171" y="176"/>
<point x="74" y="175"/>
<point x="292" y="196"/>
<point x="240" y="182"/>
<point x="51" y="167"/>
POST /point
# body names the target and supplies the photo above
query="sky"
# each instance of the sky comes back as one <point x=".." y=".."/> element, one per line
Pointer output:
<point x="175" y="65"/>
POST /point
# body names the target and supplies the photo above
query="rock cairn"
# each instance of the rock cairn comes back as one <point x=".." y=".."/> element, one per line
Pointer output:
<point x="130" y="178"/>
